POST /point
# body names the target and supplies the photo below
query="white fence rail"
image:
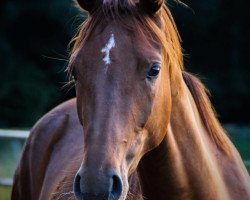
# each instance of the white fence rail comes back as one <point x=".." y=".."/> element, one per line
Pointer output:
<point x="13" y="134"/>
<point x="6" y="182"/>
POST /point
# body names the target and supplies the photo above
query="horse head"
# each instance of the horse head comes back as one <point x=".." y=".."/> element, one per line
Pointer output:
<point x="121" y="63"/>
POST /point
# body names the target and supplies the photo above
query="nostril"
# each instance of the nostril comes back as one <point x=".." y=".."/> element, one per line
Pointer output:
<point x="77" y="187"/>
<point x="98" y="187"/>
<point x="116" y="187"/>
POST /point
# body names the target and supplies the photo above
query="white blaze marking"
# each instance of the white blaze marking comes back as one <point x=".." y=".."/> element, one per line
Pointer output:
<point x="107" y="49"/>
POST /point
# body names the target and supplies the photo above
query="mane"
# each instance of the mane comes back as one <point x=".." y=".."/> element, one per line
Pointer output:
<point x="206" y="111"/>
<point x="150" y="28"/>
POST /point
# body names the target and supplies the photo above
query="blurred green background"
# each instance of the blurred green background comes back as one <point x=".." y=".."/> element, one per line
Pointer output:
<point x="34" y="38"/>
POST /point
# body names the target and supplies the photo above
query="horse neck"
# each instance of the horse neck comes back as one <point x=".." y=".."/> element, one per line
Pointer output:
<point x="186" y="165"/>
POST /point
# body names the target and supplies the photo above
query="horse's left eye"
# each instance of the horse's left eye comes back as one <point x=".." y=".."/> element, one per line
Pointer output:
<point x="154" y="71"/>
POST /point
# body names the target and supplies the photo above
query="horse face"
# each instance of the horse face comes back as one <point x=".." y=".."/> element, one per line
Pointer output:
<point x="123" y="103"/>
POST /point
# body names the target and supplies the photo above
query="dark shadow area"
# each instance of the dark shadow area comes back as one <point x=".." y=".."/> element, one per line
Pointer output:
<point x="34" y="38"/>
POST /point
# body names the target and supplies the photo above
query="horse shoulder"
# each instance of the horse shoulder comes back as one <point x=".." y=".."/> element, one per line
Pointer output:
<point x="39" y="147"/>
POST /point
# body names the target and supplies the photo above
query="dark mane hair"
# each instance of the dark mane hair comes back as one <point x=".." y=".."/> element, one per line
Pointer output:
<point x="151" y="27"/>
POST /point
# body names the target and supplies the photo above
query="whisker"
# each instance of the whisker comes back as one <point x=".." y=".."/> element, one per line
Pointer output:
<point x="68" y="85"/>
<point x="55" y="58"/>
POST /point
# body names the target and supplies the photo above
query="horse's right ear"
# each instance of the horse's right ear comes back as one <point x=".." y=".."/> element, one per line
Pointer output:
<point x="89" y="5"/>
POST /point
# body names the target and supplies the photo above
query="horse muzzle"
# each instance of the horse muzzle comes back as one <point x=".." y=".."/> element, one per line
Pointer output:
<point x="97" y="186"/>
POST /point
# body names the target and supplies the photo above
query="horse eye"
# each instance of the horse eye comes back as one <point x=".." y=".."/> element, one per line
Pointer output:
<point x="153" y="72"/>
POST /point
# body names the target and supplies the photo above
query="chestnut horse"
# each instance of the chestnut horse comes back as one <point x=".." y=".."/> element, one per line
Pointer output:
<point x="140" y="126"/>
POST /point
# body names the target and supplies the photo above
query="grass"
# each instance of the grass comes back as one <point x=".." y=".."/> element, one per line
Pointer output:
<point x="241" y="139"/>
<point x="5" y="193"/>
<point x="10" y="151"/>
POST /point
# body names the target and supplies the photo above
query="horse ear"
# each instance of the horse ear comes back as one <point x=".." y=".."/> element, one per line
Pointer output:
<point x="89" y="5"/>
<point x="151" y="6"/>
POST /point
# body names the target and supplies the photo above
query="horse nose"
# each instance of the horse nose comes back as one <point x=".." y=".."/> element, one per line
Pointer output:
<point x="93" y="188"/>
